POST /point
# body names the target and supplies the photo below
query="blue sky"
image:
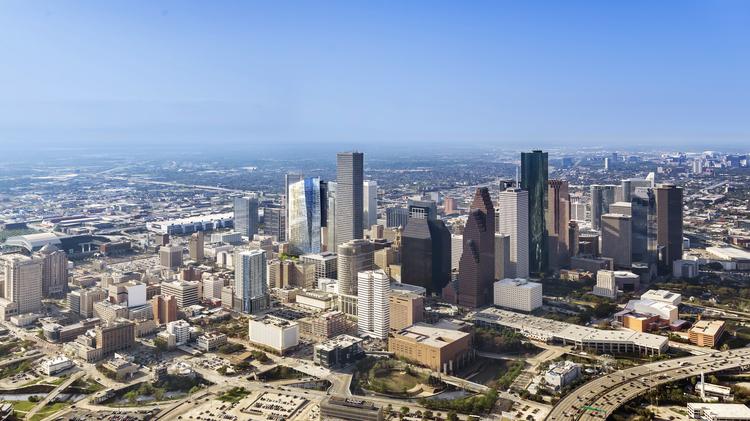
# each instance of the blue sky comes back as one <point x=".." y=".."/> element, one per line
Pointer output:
<point x="353" y="73"/>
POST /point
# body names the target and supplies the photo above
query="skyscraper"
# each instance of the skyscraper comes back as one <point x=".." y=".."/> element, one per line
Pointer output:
<point x="349" y="196"/>
<point x="289" y="179"/>
<point x="513" y="219"/>
<point x="477" y="266"/>
<point x="250" y="289"/>
<point x="396" y="217"/>
<point x="558" y="219"/>
<point x="353" y="257"/>
<point x="196" y="246"/>
<point x="54" y="271"/>
<point x="669" y="220"/>
<point x="373" y="305"/>
<point x="617" y="239"/>
<point x="534" y="181"/>
<point x="370" y="203"/>
<point x="274" y="222"/>
<point x="23" y="285"/>
<point x="426" y="254"/>
<point x="308" y="202"/>
<point x="601" y="197"/>
<point x="643" y="211"/>
<point x="246" y="216"/>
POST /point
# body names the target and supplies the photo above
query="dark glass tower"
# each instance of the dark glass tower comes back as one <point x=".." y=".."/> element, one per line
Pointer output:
<point x="669" y="225"/>
<point x="349" y="196"/>
<point x="476" y="269"/>
<point x="534" y="180"/>
<point x="426" y="253"/>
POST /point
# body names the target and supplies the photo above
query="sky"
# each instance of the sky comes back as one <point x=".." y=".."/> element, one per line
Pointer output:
<point x="258" y="75"/>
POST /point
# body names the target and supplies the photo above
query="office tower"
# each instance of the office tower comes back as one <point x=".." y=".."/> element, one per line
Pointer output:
<point x="396" y="217"/>
<point x="212" y="288"/>
<point x="643" y="211"/>
<point x="195" y="246"/>
<point x="606" y="164"/>
<point x="476" y="270"/>
<point x="164" y="309"/>
<point x="289" y="179"/>
<point x="114" y="336"/>
<point x="353" y="257"/>
<point x="23" y="284"/>
<point x="370" y="203"/>
<point x="502" y="255"/>
<point x="513" y="221"/>
<point x="534" y="181"/>
<point x="274" y="223"/>
<point x="558" y="220"/>
<point x="329" y="231"/>
<point x="349" y="209"/>
<point x="669" y="228"/>
<point x="325" y="264"/>
<point x="573" y="232"/>
<point x="450" y="206"/>
<point x="578" y="209"/>
<point x="601" y="197"/>
<point x="307" y="215"/>
<point x="373" y="306"/>
<point x="81" y="301"/>
<point x="54" y="271"/>
<point x="629" y="185"/>
<point x="246" y="216"/>
<point x="421" y="209"/>
<point x="617" y="239"/>
<point x="623" y="208"/>
<point x="250" y="288"/>
<point x="170" y="256"/>
<point x="187" y="293"/>
<point x="457" y="248"/>
<point x="405" y="309"/>
<point x="425" y="253"/>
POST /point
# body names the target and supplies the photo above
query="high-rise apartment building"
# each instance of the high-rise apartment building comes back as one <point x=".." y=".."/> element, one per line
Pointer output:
<point x="353" y="257"/>
<point x="476" y="271"/>
<point x="164" y="309"/>
<point x="669" y="229"/>
<point x="196" y="245"/>
<point x="373" y="306"/>
<point x="534" y="180"/>
<point x="23" y="284"/>
<point x="349" y="196"/>
<point x="250" y="288"/>
<point x="54" y="271"/>
<point x="370" y="203"/>
<point x="246" y="216"/>
<point x="513" y="217"/>
<point x="558" y="220"/>
<point x="307" y="201"/>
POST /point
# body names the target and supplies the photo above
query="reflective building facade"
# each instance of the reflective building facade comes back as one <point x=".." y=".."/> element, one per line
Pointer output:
<point x="534" y="181"/>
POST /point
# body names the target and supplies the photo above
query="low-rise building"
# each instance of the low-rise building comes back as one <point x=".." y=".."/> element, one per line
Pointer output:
<point x="210" y="341"/>
<point x="518" y="294"/>
<point x="54" y="365"/>
<point x="706" y="332"/>
<point x="442" y="347"/>
<point x="341" y="408"/>
<point x="273" y="333"/>
<point x="181" y="331"/>
<point x="316" y="300"/>
<point x="338" y="351"/>
<point x="122" y="367"/>
<point x="662" y="295"/>
<point x="718" y="411"/>
<point x="561" y="374"/>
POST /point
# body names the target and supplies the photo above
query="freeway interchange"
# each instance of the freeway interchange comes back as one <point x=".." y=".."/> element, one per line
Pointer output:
<point x="597" y="399"/>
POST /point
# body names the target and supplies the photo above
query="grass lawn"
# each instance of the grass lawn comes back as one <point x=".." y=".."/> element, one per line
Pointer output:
<point x="394" y="380"/>
<point x="49" y="409"/>
<point x="234" y="395"/>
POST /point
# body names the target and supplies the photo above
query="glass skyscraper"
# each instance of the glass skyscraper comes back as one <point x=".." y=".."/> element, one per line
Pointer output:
<point x="307" y="201"/>
<point x="349" y="196"/>
<point x="534" y="181"/>
<point x="246" y="216"/>
<point x="250" y="288"/>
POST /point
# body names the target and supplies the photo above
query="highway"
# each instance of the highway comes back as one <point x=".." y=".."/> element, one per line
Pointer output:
<point x="600" y="398"/>
<point x="53" y="394"/>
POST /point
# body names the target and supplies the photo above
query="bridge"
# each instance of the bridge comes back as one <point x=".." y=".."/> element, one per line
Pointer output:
<point x="598" y="399"/>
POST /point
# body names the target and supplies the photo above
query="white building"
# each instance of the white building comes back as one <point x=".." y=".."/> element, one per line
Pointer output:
<point x="369" y="203"/>
<point x="211" y="340"/>
<point x="662" y="295"/>
<point x="228" y="237"/>
<point x="212" y="288"/>
<point x="457" y="249"/>
<point x="181" y="331"/>
<point x="316" y="300"/>
<point x="718" y="411"/>
<point x="562" y="373"/>
<point x="518" y="294"/>
<point x="513" y="220"/>
<point x="273" y="333"/>
<point x="665" y="311"/>
<point x="686" y="269"/>
<point x="23" y="284"/>
<point x="373" y="304"/>
<point x="136" y="292"/>
<point x="608" y="282"/>
<point x="54" y="365"/>
<point x="191" y="224"/>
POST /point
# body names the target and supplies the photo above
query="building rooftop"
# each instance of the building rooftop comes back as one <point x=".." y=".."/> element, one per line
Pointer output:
<point x="518" y="283"/>
<point x="340" y="341"/>
<point x="660" y="294"/>
<point x="432" y="335"/>
<point x="707" y="327"/>
<point x="723" y="410"/>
